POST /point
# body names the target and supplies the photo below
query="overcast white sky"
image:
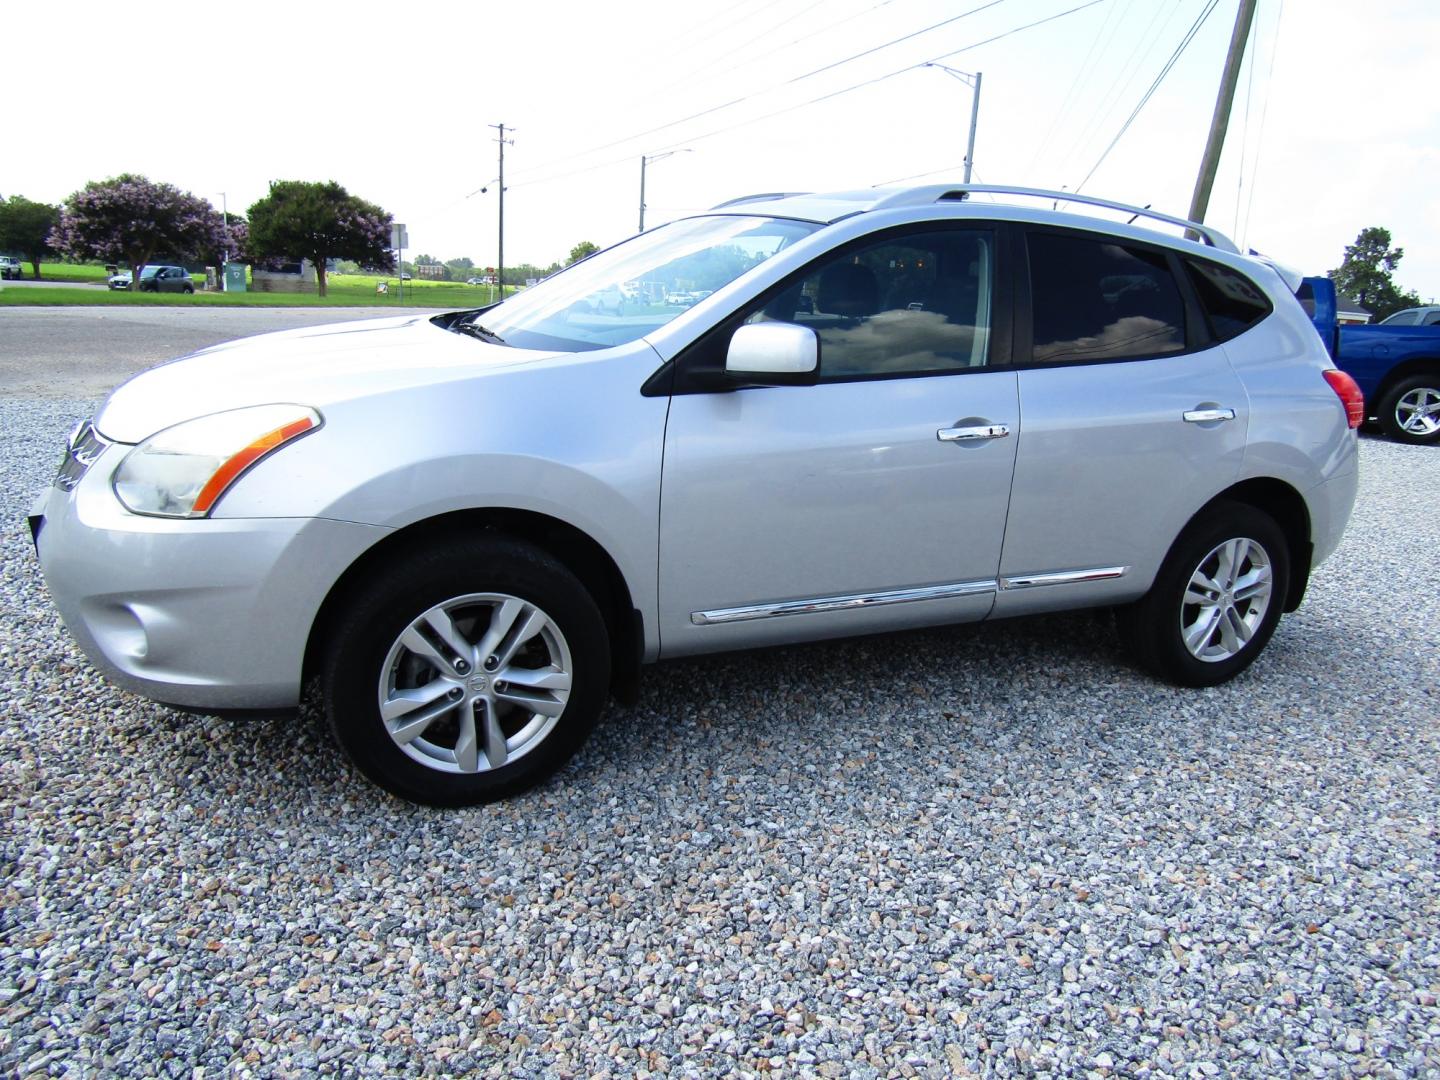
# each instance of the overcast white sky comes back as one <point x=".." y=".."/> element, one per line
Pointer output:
<point x="1336" y="128"/>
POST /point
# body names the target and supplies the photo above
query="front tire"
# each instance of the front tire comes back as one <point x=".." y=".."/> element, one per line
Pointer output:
<point x="469" y="672"/>
<point x="1410" y="410"/>
<point x="1217" y="598"/>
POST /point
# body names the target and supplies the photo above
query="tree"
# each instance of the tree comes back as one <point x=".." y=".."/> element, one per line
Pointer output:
<point x="319" y="221"/>
<point x="582" y="250"/>
<point x="460" y="268"/>
<point x="25" y="227"/>
<point x="130" y="219"/>
<point x="231" y="242"/>
<point x="1365" y="275"/>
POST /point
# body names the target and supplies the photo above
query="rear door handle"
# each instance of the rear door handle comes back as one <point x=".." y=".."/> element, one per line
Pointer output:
<point x="1205" y="416"/>
<point x="972" y="434"/>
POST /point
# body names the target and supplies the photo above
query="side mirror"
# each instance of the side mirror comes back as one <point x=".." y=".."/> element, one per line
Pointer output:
<point x="774" y="354"/>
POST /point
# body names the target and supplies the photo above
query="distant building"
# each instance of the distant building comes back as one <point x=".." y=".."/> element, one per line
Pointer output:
<point x="1348" y="311"/>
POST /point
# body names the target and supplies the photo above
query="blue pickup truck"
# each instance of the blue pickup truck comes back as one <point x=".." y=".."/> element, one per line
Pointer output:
<point x="1396" y="363"/>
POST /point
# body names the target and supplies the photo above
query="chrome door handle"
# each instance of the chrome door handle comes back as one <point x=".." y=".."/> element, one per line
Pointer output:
<point x="1203" y="416"/>
<point x="971" y="434"/>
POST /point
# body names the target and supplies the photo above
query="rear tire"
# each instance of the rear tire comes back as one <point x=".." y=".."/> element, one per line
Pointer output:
<point x="1410" y="410"/>
<point x="468" y="671"/>
<point x="1215" y="602"/>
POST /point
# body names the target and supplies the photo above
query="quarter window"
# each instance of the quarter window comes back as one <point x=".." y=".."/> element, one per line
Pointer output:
<point x="1232" y="301"/>
<point x="1094" y="299"/>
<point x="917" y="304"/>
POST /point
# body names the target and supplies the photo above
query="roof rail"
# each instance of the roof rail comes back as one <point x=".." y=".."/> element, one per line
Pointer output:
<point x="765" y="196"/>
<point x="919" y="196"/>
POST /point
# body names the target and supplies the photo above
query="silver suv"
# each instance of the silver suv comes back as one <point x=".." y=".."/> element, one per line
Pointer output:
<point x="893" y="409"/>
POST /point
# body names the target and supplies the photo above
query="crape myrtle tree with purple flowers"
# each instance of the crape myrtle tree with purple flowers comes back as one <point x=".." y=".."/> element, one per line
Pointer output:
<point x="319" y="221"/>
<point x="131" y="219"/>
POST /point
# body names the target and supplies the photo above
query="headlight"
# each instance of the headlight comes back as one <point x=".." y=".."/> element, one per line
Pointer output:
<point x="183" y="470"/>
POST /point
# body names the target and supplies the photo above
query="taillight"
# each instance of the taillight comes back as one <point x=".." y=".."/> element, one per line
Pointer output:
<point x="1349" y="394"/>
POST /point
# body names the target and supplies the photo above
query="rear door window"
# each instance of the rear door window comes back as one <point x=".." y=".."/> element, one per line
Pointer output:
<point x="1095" y="299"/>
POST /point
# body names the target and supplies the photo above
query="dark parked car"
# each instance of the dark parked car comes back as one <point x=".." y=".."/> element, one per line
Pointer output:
<point x="166" y="279"/>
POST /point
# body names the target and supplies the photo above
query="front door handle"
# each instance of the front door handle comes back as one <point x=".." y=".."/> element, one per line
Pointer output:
<point x="972" y="434"/>
<point x="1205" y="416"/>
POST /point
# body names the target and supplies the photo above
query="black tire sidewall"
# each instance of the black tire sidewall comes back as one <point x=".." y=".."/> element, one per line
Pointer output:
<point x="1388" y="420"/>
<point x="369" y="626"/>
<point x="1152" y="625"/>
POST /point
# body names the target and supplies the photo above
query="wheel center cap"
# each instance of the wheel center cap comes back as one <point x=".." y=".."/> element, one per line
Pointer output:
<point x="478" y="684"/>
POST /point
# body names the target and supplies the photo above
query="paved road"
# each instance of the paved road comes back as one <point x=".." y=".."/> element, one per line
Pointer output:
<point x="81" y="352"/>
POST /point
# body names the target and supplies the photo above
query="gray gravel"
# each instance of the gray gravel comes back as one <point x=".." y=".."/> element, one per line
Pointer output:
<point x="996" y="851"/>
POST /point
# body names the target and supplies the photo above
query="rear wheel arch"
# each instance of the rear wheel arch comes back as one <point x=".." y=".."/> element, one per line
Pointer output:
<point x="1287" y="508"/>
<point x="579" y="552"/>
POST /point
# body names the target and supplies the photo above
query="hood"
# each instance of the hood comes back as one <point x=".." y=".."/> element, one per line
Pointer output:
<point x="315" y="365"/>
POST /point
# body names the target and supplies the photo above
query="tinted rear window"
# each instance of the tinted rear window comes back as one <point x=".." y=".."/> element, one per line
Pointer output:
<point x="1093" y="299"/>
<point x="1232" y="302"/>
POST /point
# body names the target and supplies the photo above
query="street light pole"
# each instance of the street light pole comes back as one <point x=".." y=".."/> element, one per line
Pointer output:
<point x="644" y="160"/>
<point x="973" y="81"/>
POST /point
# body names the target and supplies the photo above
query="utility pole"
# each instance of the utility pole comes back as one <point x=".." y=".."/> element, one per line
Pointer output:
<point x="500" y="254"/>
<point x="1210" y="162"/>
<point x="643" y="161"/>
<point x="972" y="81"/>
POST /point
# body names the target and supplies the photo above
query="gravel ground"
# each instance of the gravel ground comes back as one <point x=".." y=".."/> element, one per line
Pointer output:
<point x="989" y="851"/>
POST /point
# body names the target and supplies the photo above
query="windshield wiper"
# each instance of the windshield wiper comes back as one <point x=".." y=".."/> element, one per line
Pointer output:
<point x="474" y="329"/>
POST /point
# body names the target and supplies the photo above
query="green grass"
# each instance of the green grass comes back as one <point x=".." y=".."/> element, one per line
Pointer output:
<point x="68" y="272"/>
<point x="344" y="290"/>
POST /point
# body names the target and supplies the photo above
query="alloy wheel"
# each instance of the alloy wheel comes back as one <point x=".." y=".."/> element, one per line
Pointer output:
<point x="1226" y="600"/>
<point x="475" y="683"/>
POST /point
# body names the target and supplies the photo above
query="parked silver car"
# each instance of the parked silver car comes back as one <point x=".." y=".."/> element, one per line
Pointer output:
<point x="893" y="409"/>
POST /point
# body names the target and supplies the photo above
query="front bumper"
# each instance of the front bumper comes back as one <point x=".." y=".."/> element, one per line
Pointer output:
<point x="206" y="614"/>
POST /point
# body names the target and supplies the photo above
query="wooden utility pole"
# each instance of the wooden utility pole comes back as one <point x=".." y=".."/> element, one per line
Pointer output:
<point x="1210" y="163"/>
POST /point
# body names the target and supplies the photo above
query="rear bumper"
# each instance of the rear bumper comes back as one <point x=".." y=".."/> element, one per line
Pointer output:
<point x="209" y="614"/>
<point x="1330" y="505"/>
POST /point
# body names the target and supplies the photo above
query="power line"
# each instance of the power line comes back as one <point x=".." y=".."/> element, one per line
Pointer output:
<point x="776" y="86"/>
<point x="1119" y="87"/>
<point x="827" y="28"/>
<point x="1070" y="95"/>
<point x="1179" y="50"/>
<point x="800" y="105"/>
<point x="1260" y="134"/>
<point x="890" y="75"/>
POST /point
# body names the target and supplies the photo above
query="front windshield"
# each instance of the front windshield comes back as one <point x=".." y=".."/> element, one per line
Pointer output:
<point x="627" y="291"/>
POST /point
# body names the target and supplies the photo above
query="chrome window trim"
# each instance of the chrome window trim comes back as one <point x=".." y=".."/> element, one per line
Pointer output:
<point x="823" y="604"/>
<point x="1063" y="577"/>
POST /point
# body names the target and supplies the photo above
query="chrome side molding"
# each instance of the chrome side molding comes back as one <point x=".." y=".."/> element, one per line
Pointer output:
<point x="854" y="601"/>
<point x="1063" y="577"/>
<point x="841" y="603"/>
